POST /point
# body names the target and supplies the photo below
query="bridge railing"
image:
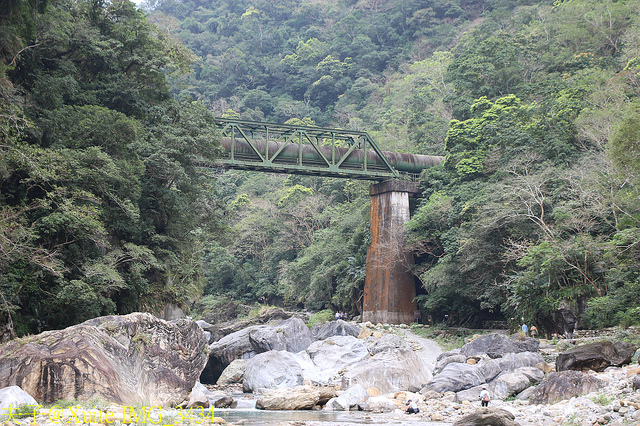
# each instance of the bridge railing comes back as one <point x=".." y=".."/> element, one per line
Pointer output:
<point x="308" y="150"/>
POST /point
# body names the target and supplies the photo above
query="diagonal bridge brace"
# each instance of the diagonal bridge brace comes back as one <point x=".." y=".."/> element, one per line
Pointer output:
<point x="309" y="150"/>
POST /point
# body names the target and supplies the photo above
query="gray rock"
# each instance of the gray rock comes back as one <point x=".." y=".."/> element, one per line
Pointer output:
<point x="596" y="356"/>
<point x="562" y="385"/>
<point x="489" y="417"/>
<point x="471" y="394"/>
<point x="388" y="342"/>
<point x="496" y="345"/>
<point x="448" y="354"/>
<point x="389" y="371"/>
<point x="12" y="397"/>
<point x="335" y="353"/>
<point x="198" y="397"/>
<point x="429" y="394"/>
<point x="296" y="398"/>
<point x="270" y="316"/>
<point x="291" y="335"/>
<point x="534" y="374"/>
<point x="171" y="312"/>
<point x="234" y="373"/>
<point x="508" y="384"/>
<point x="310" y="371"/>
<point x="456" y="377"/>
<point x="512" y="362"/>
<point x="490" y="369"/>
<point x="224" y="402"/>
<point x="271" y="370"/>
<point x="349" y="399"/>
<point x="444" y="361"/>
<point x="378" y="404"/>
<point x="635" y="382"/>
<point x="203" y="324"/>
<point x="334" y="328"/>
<point x="526" y="394"/>
<point x="121" y="358"/>
<point x="221" y="353"/>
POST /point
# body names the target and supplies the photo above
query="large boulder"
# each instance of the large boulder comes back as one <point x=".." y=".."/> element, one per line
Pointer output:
<point x="296" y="398"/>
<point x="387" y="342"/>
<point x="596" y="356"/>
<point x="564" y="385"/>
<point x="13" y="397"/>
<point x="496" y="345"/>
<point x="135" y="358"/>
<point x="334" y="328"/>
<point x="378" y="404"/>
<point x="234" y="373"/>
<point x="349" y="399"/>
<point x="271" y="370"/>
<point x="512" y="362"/>
<point x="471" y="394"/>
<point x="509" y="384"/>
<point x="268" y="316"/>
<point x="311" y="372"/>
<point x="457" y="377"/>
<point x="488" y="417"/>
<point x="389" y="371"/>
<point x="291" y="335"/>
<point x="335" y="353"/>
<point x="442" y="362"/>
<point x="199" y="397"/>
<point x="635" y="382"/>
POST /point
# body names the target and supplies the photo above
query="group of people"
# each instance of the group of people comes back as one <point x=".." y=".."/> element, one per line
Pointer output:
<point x="341" y="315"/>
<point x="526" y="330"/>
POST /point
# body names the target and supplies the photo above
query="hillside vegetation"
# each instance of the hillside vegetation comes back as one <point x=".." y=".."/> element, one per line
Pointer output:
<point x="534" y="104"/>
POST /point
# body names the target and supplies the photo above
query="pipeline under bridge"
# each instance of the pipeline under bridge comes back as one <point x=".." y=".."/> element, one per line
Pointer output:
<point x="389" y="291"/>
<point x="314" y="151"/>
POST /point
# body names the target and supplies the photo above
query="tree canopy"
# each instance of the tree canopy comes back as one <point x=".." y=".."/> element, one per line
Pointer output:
<point x="104" y="208"/>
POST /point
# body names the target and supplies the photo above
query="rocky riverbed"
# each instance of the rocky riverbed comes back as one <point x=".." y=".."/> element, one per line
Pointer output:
<point x="526" y="372"/>
<point x="134" y="369"/>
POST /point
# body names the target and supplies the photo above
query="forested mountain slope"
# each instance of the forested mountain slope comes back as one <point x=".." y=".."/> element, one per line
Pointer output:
<point x="101" y="208"/>
<point x="535" y="209"/>
<point x="534" y="104"/>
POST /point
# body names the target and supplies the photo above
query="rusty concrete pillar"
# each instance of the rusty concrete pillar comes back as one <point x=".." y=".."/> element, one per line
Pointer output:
<point x="389" y="289"/>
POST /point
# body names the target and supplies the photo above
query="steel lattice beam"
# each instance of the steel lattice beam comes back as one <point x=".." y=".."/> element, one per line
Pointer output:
<point x="307" y="150"/>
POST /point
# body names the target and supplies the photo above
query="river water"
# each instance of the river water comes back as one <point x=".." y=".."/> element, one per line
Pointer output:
<point x="320" y="418"/>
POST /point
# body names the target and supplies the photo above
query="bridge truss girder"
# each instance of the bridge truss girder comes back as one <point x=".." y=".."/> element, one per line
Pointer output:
<point x="307" y="150"/>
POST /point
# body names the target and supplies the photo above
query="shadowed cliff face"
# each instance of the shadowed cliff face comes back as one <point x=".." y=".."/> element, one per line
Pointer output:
<point x="122" y="359"/>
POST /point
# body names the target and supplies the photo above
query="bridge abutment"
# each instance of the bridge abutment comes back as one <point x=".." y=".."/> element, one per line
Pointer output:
<point x="389" y="289"/>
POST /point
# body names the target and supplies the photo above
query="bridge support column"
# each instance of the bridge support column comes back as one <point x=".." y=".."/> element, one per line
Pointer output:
<point x="389" y="289"/>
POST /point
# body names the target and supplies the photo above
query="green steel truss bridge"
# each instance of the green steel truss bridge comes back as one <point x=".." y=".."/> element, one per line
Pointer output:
<point x="282" y="148"/>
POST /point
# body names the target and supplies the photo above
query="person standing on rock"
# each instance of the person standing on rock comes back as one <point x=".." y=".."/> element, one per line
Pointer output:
<point x="484" y="397"/>
<point x="534" y="331"/>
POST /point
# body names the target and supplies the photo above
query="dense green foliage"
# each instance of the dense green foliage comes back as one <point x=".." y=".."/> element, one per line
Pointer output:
<point x="102" y="208"/>
<point x="533" y="104"/>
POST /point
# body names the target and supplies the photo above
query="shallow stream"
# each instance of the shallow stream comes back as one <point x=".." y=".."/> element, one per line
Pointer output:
<point x="310" y="417"/>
